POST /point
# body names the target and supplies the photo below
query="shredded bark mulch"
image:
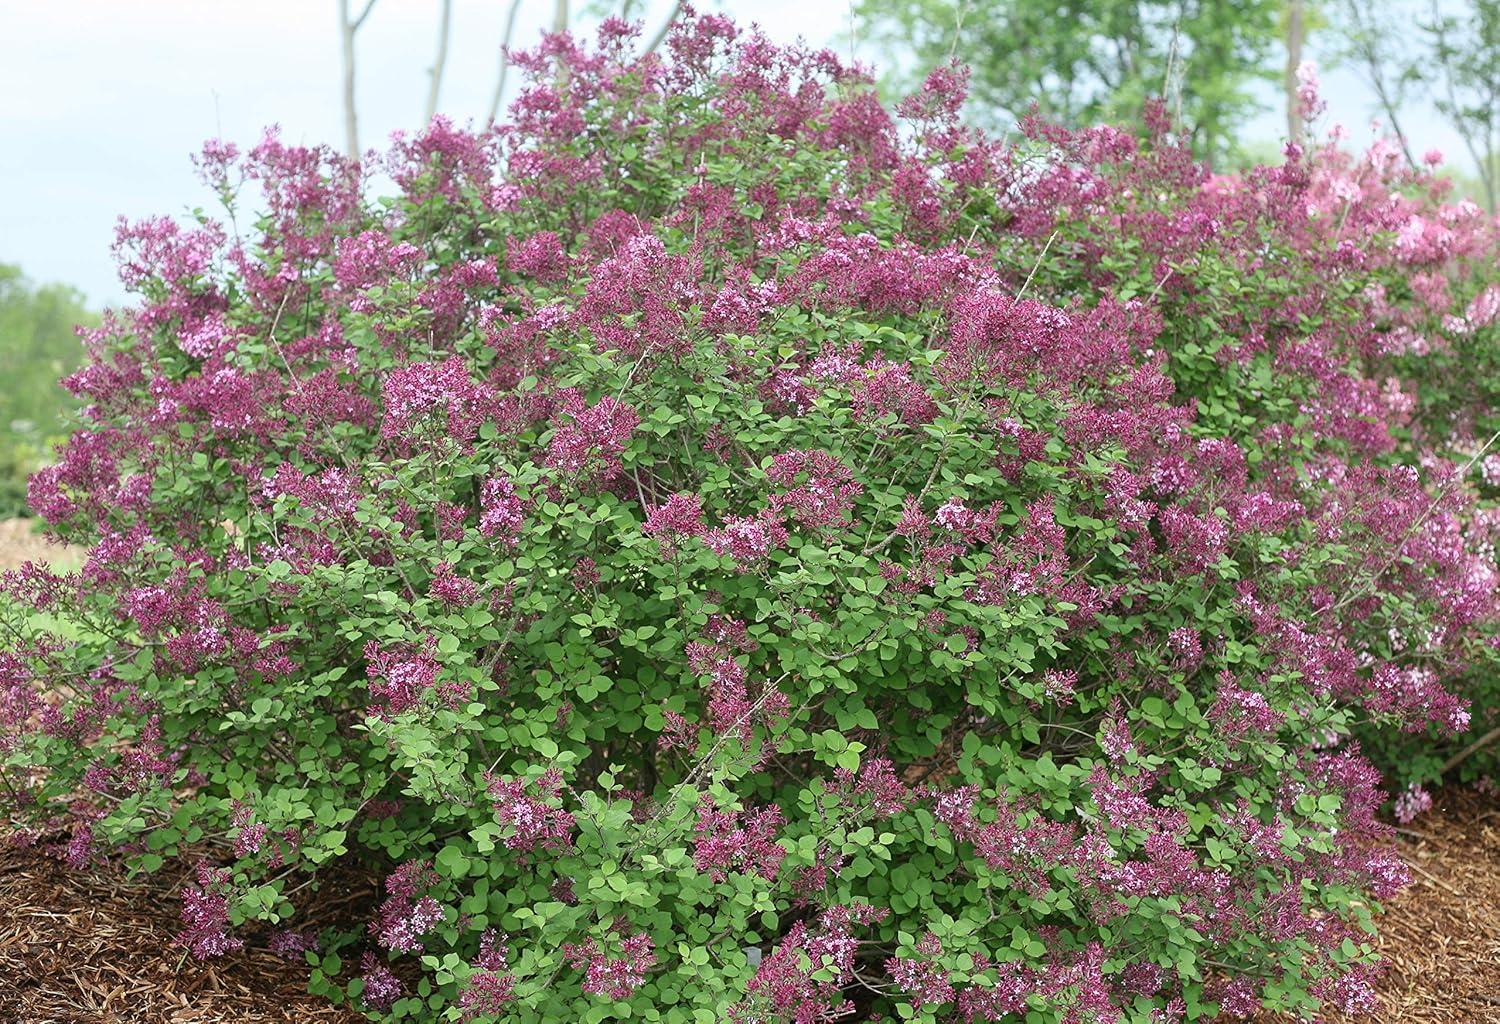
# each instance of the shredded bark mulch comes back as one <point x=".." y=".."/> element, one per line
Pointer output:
<point x="96" y="947"/>
<point x="1441" y="937"/>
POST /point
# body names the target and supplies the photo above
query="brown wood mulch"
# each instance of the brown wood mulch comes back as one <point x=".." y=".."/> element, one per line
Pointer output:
<point x="1441" y="936"/>
<point x="96" y="947"/>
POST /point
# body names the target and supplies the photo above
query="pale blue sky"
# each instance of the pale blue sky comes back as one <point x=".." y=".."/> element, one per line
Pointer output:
<point x="103" y="101"/>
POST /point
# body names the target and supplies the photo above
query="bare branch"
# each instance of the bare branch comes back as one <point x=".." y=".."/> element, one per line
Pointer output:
<point x="1469" y="751"/>
<point x="442" y="59"/>
<point x="560" y="16"/>
<point x="661" y="34"/>
<point x="347" y="28"/>
<point x="510" y="29"/>
<point x="958" y="30"/>
<point x="1473" y="123"/>
<point x="1368" y="47"/>
<point x="357" y="22"/>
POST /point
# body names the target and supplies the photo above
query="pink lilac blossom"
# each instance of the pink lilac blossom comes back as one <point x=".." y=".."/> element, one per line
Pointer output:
<point x="381" y="986"/>
<point x="588" y="440"/>
<point x="732" y="709"/>
<point x="801" y="981"/>
<point x="819" y="490"/>
<point x="502" y="513"/>
<point x="450" y="589"/>
<point x="677" y="519"/>
<point x="290" y="945"/>
<point x="1060" y="685"/>
<point x="922" y="976"/>
<point x="401" y="677"/>
<point x="249" y="834"/>
<point x="531" y="811"/>
<point x="205" y="914"/>
<point x="748" y="540"/>
<point x="722" y="844"/>
<point x="541" y="256"/>
<point x="875" y="788"/>
<point x="613" y="977"/>
<point x="1412" y="802"/>
<point x="415" y="393"/>
<point x="585" y="575"/>
<point x="491" y="985"/>
<point x="1186" y="646"/>
<point x="407" y="913"/>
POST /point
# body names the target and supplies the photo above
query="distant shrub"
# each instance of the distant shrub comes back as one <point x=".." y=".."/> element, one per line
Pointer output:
<point x="729" y="553"/>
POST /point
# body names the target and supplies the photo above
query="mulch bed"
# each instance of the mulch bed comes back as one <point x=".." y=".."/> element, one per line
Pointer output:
<point x="1441" y="937"/>
<point x="96" y="947"/>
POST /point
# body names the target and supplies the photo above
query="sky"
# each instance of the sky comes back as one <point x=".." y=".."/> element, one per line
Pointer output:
<point x="102" y="102"/>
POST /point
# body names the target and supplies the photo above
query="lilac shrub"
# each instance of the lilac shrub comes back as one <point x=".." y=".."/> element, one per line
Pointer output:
<point x="725" y="550"/>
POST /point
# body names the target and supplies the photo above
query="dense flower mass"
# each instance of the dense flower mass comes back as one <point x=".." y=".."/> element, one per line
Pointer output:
<point x="735" y="552"/>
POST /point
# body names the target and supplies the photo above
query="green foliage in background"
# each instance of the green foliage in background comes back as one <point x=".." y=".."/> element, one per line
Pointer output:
<point x="1463" y="66"/>
<point x="38" y="345"/>
<point x="1081" y="61"/>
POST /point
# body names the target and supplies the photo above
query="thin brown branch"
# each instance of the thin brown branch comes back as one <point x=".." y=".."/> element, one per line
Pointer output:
<point x="1469" y="751"/>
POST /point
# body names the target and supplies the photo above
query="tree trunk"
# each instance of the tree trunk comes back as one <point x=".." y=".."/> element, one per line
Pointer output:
<point x="347" y="28"/>
<point x="1296" y="30"/>
<point x="351" y="118"/>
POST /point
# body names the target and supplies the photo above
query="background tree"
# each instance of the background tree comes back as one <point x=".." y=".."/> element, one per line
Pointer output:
<point x="1462" y="65"/>
<point x="37" y="347"/>
<point x="445" y="24"/>
<point x="348" y="26"/>
<point x="1370" y="37"/>
<point x="1084" y="60"/>
<point x="1296" y="35"/>
<point x="510" y="31"/>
